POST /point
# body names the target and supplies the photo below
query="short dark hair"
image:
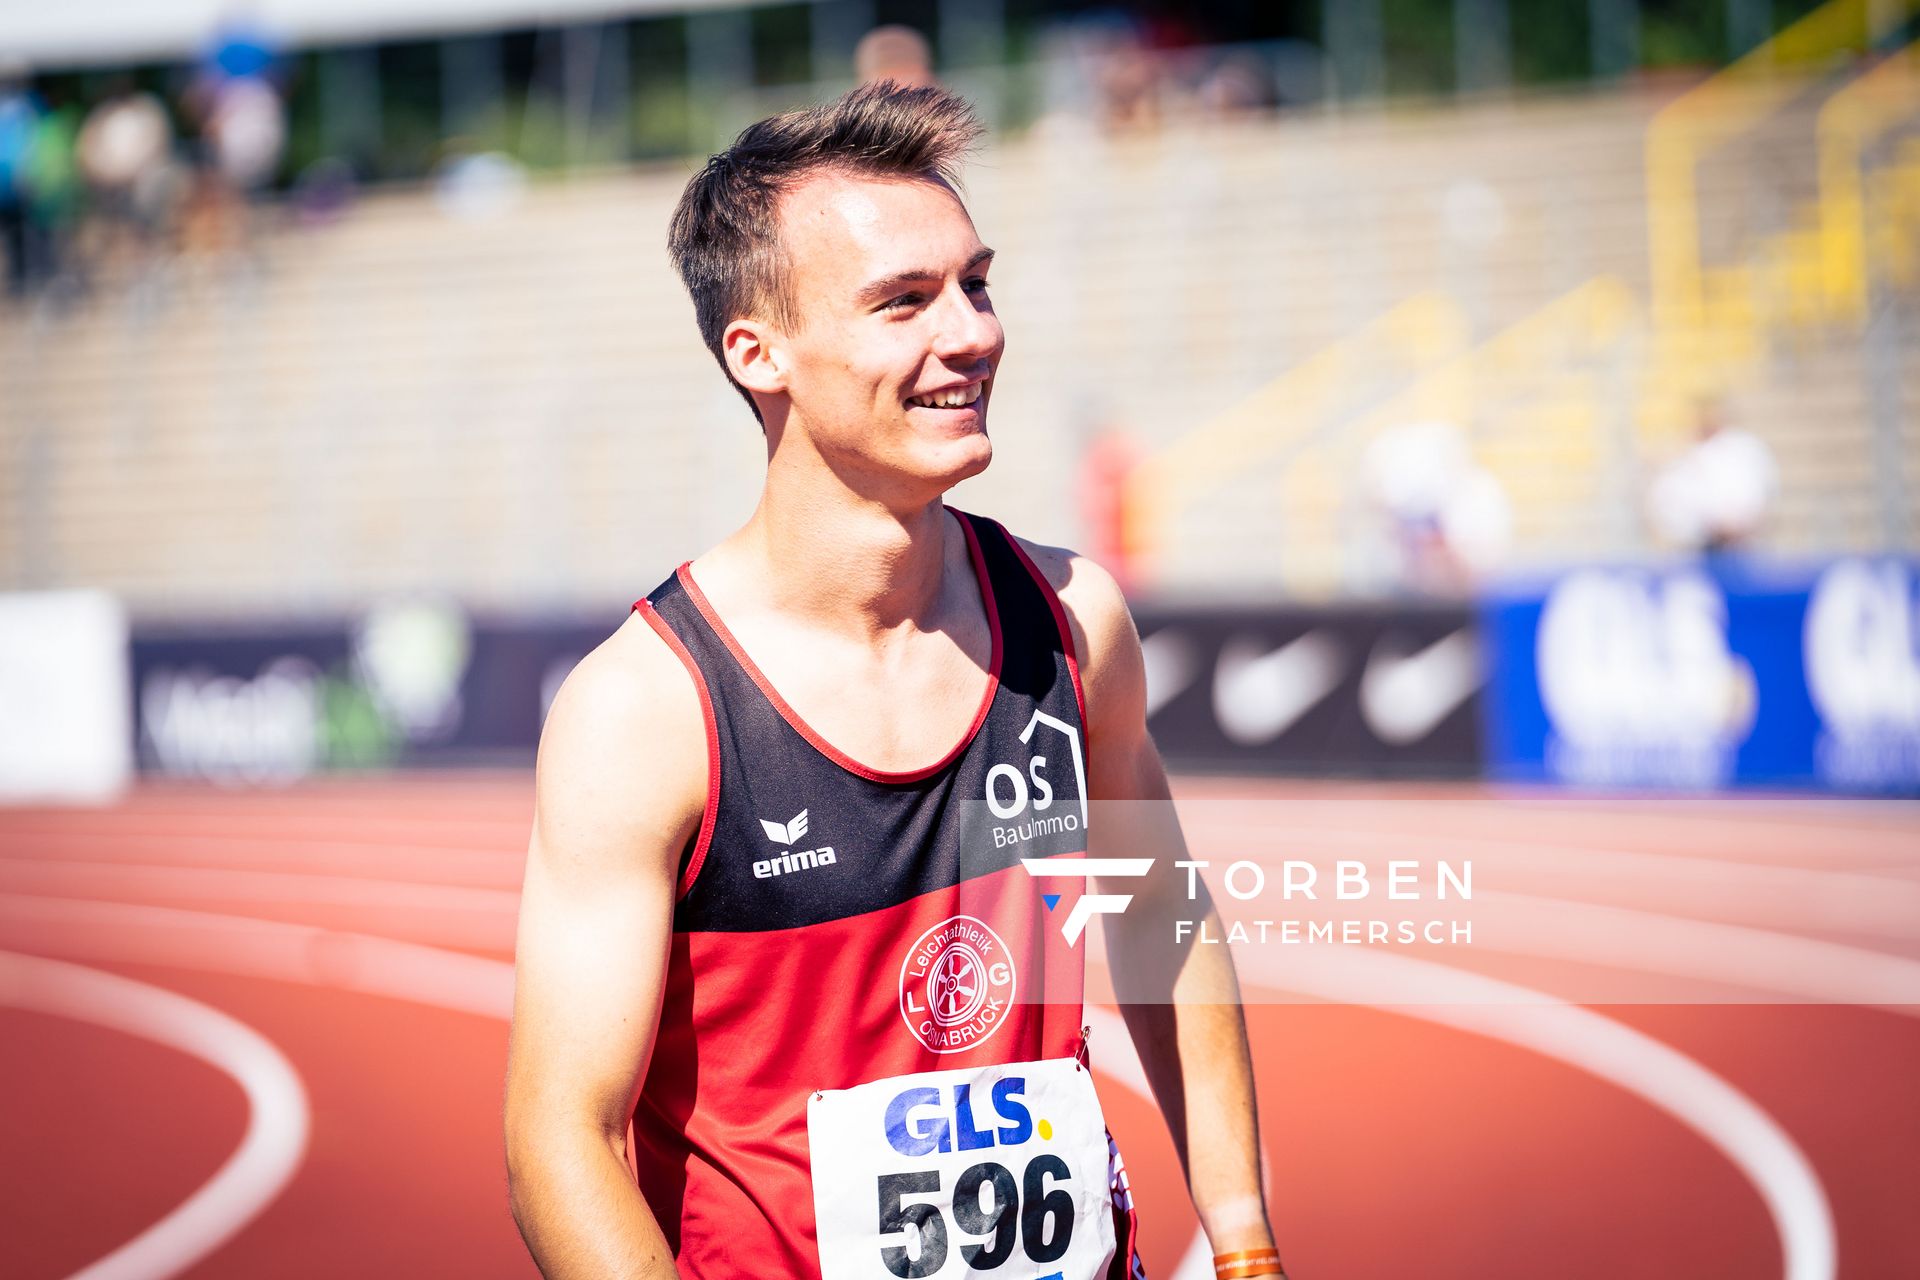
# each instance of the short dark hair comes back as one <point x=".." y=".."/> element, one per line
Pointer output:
<point x="725" y="234"/>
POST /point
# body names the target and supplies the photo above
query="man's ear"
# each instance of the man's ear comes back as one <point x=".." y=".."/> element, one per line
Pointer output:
<point x="755" y="356"/>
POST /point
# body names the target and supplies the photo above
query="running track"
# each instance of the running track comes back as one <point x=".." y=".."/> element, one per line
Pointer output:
<point x="263" y="1035"/>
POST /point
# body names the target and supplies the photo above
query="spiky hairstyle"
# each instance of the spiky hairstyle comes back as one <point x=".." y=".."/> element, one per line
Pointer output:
<point x="725" y="235"/>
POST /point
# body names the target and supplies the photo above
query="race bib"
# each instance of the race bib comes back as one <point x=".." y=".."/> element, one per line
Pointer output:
<point x="997" y="1171"/>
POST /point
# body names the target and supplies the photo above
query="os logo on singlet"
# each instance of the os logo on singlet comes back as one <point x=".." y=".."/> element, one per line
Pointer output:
<point x="956" y="985"/>
<point x="1013" y="795"/>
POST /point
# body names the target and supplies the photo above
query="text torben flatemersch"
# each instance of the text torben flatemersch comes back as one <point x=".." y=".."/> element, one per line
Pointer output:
<point x="1351" y="882"/>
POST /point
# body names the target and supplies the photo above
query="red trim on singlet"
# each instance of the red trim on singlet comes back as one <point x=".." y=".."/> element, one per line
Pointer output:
<point x="806" y="730"/>
<point x="1059" y="620"/>
<point x="705" y="838"/>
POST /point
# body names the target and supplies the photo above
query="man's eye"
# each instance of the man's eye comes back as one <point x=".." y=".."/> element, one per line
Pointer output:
<point x="903" y="301"/>
<point x="977" y="285"/>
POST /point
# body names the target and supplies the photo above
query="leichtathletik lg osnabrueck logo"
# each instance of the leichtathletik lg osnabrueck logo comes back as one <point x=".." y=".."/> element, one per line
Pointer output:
<point x="956" y="984"/>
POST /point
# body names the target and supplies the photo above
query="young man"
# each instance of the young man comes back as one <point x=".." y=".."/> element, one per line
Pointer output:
<point x="787" y="1001"/>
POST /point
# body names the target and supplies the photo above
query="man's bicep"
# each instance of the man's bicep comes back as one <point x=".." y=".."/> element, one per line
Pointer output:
<point x="590" y="964"/>
<point x="618" y="797"/>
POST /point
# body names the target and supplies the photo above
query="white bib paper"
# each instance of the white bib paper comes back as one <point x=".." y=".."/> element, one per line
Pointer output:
<point x="994" y="1171"/>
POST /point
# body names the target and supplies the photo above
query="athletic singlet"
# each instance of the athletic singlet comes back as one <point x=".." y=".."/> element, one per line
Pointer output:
<point x="838" y="925"/>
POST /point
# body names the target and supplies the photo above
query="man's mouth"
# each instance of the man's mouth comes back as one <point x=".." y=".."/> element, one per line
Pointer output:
<point x="952" y="398"/>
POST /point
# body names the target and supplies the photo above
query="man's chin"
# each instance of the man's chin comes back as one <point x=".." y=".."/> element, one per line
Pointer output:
<point x="963" y="459"/>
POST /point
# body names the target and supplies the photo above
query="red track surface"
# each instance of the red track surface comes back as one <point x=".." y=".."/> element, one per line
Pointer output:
<point x="1398" y="1146"/>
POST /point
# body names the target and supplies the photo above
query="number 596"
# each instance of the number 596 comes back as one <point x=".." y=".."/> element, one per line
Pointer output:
<point x="987" y="1203"/>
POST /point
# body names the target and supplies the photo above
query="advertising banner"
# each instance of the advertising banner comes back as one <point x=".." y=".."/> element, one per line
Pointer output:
<point x="1709" y="675"/>
<point x="1681" y="677"/>
<point x="1381" y="691"/>
<point x="414" y="683"/>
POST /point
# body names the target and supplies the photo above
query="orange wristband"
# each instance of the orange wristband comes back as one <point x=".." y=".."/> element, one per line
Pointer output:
<point x="1247" y="1264"/>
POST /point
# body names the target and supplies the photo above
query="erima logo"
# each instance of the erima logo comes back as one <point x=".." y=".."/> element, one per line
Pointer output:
<point x="1088" y="905"/>
<point x="787" y="863"/>
<point x="788" y="833"/>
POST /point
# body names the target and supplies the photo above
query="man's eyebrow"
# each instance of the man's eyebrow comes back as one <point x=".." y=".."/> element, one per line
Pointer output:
<point x="874" y="290"/>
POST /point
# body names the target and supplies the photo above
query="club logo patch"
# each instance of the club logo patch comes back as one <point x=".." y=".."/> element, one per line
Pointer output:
<point x="956" y="985"/>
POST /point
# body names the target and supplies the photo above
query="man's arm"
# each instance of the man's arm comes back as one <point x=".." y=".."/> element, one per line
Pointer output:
<point x="1181" y="1004"/>
<point x="621" y="786"/>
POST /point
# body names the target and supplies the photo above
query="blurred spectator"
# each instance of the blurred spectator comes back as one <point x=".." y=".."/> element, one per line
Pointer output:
<point x="323" y="191"/>
<point x="1714" y="497"/>
<point x="895" y="53"/>
<point x="20" y="115"/>
<point x="126" y="156"/>
<point x="243" y="133"/>
<point x="52" y="190"/>
<point x="478" y="186"/>
<point x="1241" y="84"/>
<point x="246" y="131"/>
<point x="1104" y="468"/>
<point x="1450" y="518"/>
<point x="1127" y="83"/>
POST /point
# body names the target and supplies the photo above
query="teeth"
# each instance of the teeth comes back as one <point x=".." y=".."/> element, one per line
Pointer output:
<point x="951" y="399"/>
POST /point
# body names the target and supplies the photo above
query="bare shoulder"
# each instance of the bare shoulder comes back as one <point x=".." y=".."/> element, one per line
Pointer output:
<point x="623" y="760"/>
<point x="1108" y="647"/>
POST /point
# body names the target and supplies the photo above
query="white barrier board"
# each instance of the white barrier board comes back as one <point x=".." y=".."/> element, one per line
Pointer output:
<point x="66" y="717"/>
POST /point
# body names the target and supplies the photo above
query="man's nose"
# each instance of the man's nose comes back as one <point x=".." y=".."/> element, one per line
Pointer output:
<point x="968" y="329"/>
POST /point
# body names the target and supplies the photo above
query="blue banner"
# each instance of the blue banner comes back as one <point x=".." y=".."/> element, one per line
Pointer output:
<point x="1719" y="674"/>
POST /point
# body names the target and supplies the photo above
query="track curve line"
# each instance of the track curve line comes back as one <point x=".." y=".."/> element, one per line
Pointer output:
<point x="278" y="1118"/>
<point x="1657" y="1073"/>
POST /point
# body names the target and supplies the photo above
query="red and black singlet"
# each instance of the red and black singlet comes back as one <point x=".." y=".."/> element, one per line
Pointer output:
<point x="837" y="924"/>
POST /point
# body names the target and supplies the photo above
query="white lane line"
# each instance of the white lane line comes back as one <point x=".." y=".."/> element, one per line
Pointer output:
<point x="463" y="918"/>
<point x="1882" y="903"/>
<point x="1602" y="1047"/>
<point x="1432" y="806"/>
<point x="1769" y="965"/>
<point x="1819" y="901"/>
<point x="1743" y="966"/>
<point x="1810" y="852"/>
<point x="118" y="882"/>
<point x="1816" y="847"/>
<point x="260" y="948"/>
<point x="113" y="827"/>
<point x="1766" y="963"/>
<point x="1611" y="1051"/>
<point x="1608" y="1050"/>
<point x="373" y="860"/>
<point x="277" y="1119"/>
<point x="92" y="827"/>
<point x="1701" y="1100"/>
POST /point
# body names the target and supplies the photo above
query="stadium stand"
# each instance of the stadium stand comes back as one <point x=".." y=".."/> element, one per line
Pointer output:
<point x="492" y="407"/>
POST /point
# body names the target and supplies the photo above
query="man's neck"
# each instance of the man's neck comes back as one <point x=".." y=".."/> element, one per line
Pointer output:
<point x="845" y="562"/>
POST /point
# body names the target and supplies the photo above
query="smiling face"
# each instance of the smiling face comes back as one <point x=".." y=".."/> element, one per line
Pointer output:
<point x="888" y="366"/>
